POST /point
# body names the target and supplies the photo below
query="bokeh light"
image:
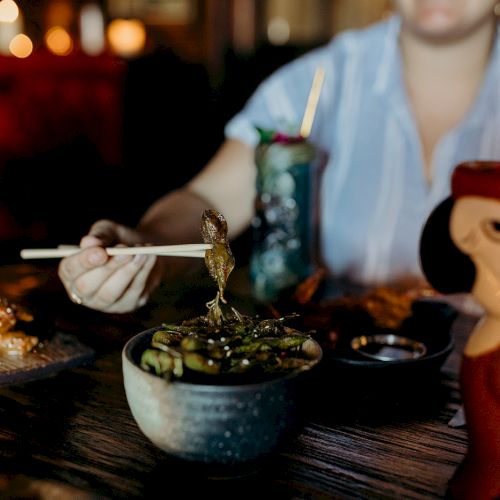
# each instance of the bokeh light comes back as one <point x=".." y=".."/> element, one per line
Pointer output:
<point x="8" y="11"/>
<point x="21" y="46"/>
<point x="58" y="41"/>
<point x="92" y="39"/>
<point x="278" y="31"/>
<point x="127" y="37"/>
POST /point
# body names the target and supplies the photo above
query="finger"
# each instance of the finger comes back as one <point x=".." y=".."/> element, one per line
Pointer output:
<point x="117" y="284"/>
<point x="122" y="291"/>
<point x="103" y="232"/>
<point x="152" y="282"/>
<point x="88" y="283"/>
<point x="73" y="266"/>
<point x="138" y="291"/>
<point x="140" y="283"/>
<point x="70" y="268"/>
<point x="110" y="232"/>
<point x="91" y="241"/>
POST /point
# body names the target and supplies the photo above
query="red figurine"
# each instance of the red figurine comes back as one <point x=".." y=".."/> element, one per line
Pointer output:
<point x="460" y="252"/>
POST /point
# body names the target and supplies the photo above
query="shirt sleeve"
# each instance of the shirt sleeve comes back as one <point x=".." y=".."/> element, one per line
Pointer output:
<point x="279" y="102"/>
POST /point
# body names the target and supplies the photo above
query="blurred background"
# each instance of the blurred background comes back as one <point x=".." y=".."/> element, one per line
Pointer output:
<point x="106" y="105"/>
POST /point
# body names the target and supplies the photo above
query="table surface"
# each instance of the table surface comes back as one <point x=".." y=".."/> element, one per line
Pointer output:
<point x="72" y="435"/>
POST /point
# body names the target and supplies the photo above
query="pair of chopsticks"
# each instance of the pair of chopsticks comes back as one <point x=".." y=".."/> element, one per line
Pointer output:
<point x="188" y="250"/>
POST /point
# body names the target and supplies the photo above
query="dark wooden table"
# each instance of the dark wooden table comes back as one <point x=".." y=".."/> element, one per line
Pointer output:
<point x="72" y="435"/>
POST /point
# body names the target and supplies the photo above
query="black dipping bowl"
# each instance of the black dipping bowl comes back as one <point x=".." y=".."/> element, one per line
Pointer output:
<point x="362" y="388"/>
<point x="210" y="423"/>
<point x="430" y="324"/>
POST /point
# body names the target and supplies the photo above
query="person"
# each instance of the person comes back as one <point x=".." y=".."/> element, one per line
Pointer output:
<point x="403" y="102"/>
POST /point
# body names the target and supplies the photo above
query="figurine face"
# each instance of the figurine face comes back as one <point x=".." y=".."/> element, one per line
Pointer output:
<point x="475" y="230"/>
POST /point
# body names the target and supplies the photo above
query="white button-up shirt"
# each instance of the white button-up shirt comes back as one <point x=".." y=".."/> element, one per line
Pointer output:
<point x="375" y="197"/>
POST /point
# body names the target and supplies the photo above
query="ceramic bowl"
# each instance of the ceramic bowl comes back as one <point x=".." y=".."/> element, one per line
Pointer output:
<point x="429" y="325"/>
<point x="215" y="424"/>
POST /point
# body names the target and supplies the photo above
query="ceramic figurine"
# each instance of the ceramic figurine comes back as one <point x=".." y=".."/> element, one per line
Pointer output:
<point x="460" y="252"/>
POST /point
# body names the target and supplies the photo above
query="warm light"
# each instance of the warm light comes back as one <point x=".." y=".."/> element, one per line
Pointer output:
<point x="278" y="31"/>
<point x="244" y="15"/>
<point x="21" y="46"/>
<point x="92" y="29"/>
<point x="58" y="41"/>
<point x="59" y="13"/>
<point x="126" y="37"/>
<point x="8" y="31"/>
<point x="8" y="11"/>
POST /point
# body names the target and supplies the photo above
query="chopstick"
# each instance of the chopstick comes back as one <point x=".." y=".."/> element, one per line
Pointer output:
<point x="187" y="250"/>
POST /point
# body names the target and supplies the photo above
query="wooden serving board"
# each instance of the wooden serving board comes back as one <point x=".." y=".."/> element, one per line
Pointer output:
<point x="60" y="352"/>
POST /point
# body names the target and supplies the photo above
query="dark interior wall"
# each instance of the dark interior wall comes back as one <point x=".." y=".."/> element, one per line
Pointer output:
<point x="65" y="168"/>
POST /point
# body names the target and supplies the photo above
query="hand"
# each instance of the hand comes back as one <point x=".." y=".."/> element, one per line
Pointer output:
<point x="110" y="284"/>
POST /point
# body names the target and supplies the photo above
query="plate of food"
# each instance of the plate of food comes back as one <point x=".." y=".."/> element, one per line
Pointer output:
<point x="29" y="351"/>
<point x="384" y="331"/>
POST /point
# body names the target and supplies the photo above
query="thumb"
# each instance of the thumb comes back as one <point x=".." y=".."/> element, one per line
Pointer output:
<point x="106" y="233"/>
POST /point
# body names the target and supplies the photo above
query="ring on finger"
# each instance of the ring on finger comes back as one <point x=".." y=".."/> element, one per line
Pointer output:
<point x="75" y="297"/>
<point x="142" y="301"/>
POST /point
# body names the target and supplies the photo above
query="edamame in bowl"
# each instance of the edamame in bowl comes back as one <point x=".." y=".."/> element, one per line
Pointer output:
<point x="242" y="413"/>
<point x="222" y="388"/>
